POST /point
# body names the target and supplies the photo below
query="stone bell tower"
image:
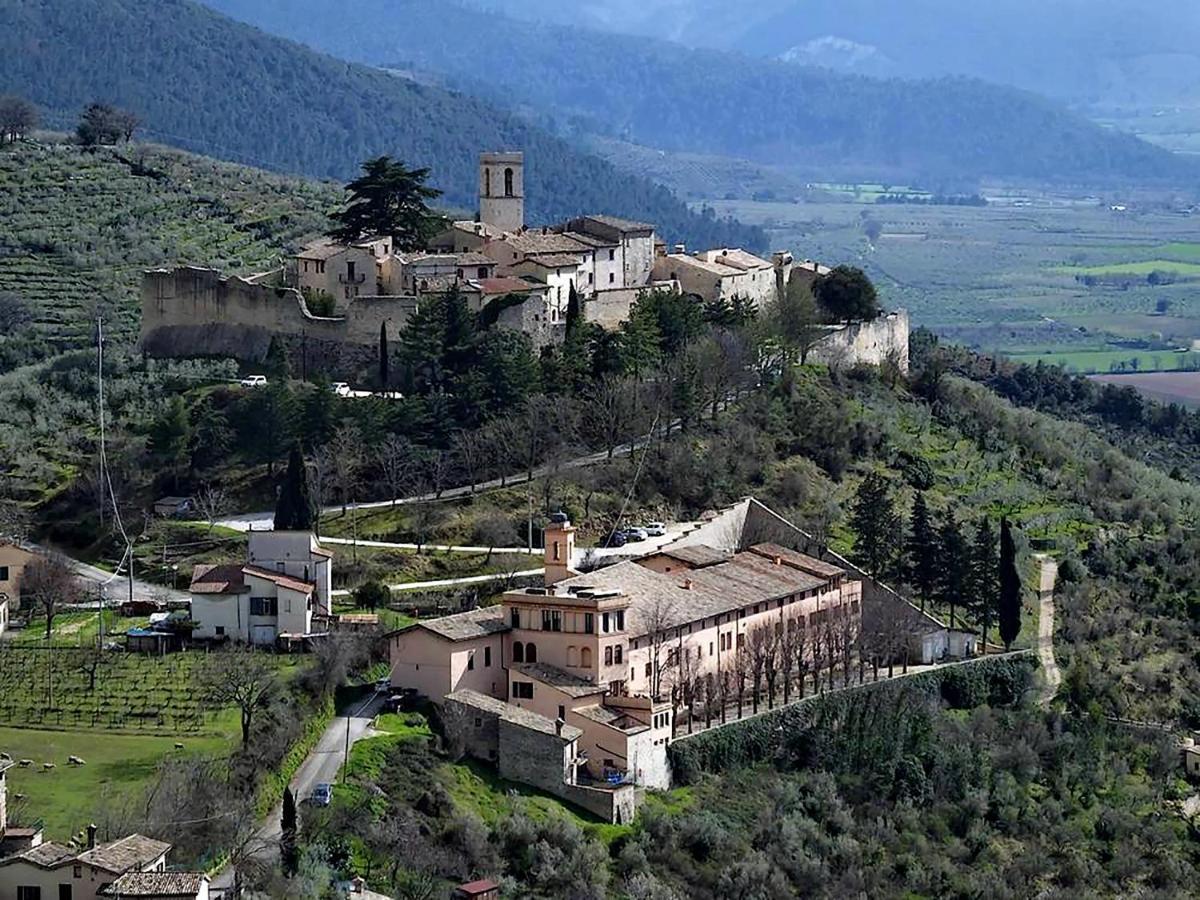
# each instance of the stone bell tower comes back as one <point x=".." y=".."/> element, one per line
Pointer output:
<point x="502" y="190"/>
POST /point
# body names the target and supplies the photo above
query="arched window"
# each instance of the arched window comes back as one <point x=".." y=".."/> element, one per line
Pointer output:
<point x="487" y="182"/>
<point x="572" y="656"/>
<point x="608" y="656"/>
<point x="518" y="651"/>
<point x="531" y="652"/>
<point x="508" y="182"/>
<point x="617" y="654"/>
<point x="585" y="658"/>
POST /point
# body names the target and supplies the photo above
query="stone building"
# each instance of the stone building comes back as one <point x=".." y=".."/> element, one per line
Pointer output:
<point x="344" y="272"/>
<point x="724" y="274"/>
<point x="608" y="653"/>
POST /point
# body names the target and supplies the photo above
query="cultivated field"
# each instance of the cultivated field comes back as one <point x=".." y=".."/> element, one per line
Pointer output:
<point x="1166" y="387"/>
<point x="1010" y="278"/>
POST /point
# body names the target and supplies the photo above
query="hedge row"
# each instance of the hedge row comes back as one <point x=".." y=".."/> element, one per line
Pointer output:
<point x="873" y="708"/>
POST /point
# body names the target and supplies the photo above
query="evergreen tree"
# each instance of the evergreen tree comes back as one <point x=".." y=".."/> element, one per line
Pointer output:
<point x="171" y="435"/>
<point x="289" y="850"/>
<point x="574" y="310"/>
<point x="387" y="199"/>
<point x="875" y="524"/>
<point x="294" y="508"/>
<point x="1009" y="613"/>
<point x="384" y="361"/>
<point x="953" y="565"/>
<point x="985" y="576"/>
<point x="848" y="294"/>
<point x="921" y="552"/>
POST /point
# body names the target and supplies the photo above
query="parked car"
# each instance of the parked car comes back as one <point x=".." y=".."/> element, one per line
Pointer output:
<point x="383" y="685"/>
<point x="340" y="388"/>
<point x="254" y="381"/>
<point x="616" y="539"/>
<point x="634" y="534"/>
<point x="322" y="794"/>
<point x="655" y="529"/>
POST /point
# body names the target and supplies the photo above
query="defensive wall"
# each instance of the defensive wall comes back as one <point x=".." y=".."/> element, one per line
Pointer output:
<point x="866" y="343"/>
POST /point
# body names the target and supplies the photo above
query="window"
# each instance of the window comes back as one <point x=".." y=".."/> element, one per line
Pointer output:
<point x="518" y="651"/>
<point x="487" y="182"/>
<point x="621" y="620"/>
<point x="608" y="656"/>
<point x="24" y="892"/>
<point x="459" y="274"/>
<point x="478" y="722"/>
<point x="523" y="690"/>
<point x="672" y="657"/>
<point x="557" y="551"/>
<point x="617" y="654"/>
<point x="264" y="606"/>
<point x="508" y="182"/>
<point x="572" y="656"/>
<point x="710" y="648"/>
<point x="78" y="872"/>
<point x="514" y="617"/>
<point x="612" y="255"/>
<point x="487" y="657"/>
<point x="585" y="657"/>
<point x="647" y="670"/>
<point x="591" y="277"/>
<point x="220" y="631"/>
<point x="531" y="652"/>
<point x="551" y="620"/>
<point x="612" y="278"/>
<point x="604" y="622"/>
<point x="589" y="623"/>
<point x="3" y="573"/>
<point x="545" y="620"/>
<point x="64" y="892"/>
<point x="471" y="661"/>
<point x="350" y="273"/>
<point x="562" y="713"/>
<point x="482" y="272"/>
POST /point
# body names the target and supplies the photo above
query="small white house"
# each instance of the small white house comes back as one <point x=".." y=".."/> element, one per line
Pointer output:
<point x="250" y="605"/>
<point x="298" y="554"/>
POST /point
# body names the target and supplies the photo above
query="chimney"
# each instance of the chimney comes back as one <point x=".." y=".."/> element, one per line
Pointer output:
<point x="779" y="560"/>
<point x="687" y="584"/>
<point x="91" y="833"/>
<point x="681" y="249"/>
<point x="558" y="724"/>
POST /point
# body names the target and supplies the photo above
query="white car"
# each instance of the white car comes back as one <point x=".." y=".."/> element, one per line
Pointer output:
<point x="655" y="529"/>
<point x="340" y="388"/>
<point x="254" y="381"/>
<point x="633" y="534"/>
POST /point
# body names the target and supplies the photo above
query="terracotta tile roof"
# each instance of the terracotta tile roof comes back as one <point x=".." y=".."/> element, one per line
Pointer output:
<point x="284" y="581"/>
<point x="553" y="261"/>
<point x="323" y="249"/>
<point x="570" y="684"/>
<point x="131" y="852"/>
<point x="534" y="242"/>
<point x="738" y="259"/>
<point x="682" y="259"/>
<point x="696" y="555"/>
<point x="468" y="625"/>
<point x="47" y="856"/>
<point x="155" y="884"/>
<point x="224" y="579"/>
<point x="474" y="259"/>
<point x="526" y="718"/>
<point x="800" y="560"/>
<point x="625" y="226"/>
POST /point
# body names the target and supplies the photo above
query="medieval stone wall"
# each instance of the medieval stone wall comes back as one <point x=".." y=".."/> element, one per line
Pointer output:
<point x="867" y="343"/>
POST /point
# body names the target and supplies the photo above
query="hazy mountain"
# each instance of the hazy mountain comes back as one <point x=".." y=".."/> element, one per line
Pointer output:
<point x="1088" y="51"/>
<point x="207" y="83"/>
<point x="678" y="99"/>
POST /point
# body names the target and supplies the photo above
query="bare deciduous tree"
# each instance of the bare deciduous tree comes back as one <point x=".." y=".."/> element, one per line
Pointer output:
<point x="346" y="452"/>
<point x="397" y="460"/>
<point x="245" y="678"/>
<point x="609" y="411"/>
<point x="49" y="581"/>
<point x="213" y="502"/>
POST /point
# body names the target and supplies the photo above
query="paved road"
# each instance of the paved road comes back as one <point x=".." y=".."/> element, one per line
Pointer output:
<point x="118" y="585"/>
<point x="452" y="582"/>
<point x="321" y="765"/>
<point x="1048" y="577"/>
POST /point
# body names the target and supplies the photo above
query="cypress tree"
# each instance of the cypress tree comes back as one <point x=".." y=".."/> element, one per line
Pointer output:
<point x="289" y="852"/>
<point x="384" y="361"/>
<point x="1010" y="587"/>
<point x="294" y="508"/>
<point x="985" y="576"/>
<point x="574" y="310"/>
<point x="921" y="552"/>
<point x="875" y="523"/>
<point x="954" y="562"/>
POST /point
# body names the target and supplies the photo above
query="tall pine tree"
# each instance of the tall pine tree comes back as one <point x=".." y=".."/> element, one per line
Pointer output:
<point x="985" y="576"/>
<point x="294" y="508"/>
<point x="875" y="524"/>
<point x="1009" y="616"/>
<point x="921" y="552"/>
<point x="387" y="199"/>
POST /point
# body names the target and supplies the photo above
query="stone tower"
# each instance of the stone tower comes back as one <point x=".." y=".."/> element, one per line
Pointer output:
<point x="502" y="190"/>
<point x="560" y="548"/>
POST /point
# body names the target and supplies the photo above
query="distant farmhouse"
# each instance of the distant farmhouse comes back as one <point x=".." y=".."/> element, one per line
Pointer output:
<point x="330" y="301"/>
<point x="574" y="687"/>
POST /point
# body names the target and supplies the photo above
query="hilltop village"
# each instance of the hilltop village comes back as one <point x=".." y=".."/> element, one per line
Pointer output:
<point x="336" y="298"/>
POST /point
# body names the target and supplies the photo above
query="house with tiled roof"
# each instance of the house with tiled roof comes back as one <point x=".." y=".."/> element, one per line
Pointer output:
<point x="612" y="653"/>
<point x="131" y="866"/>
<point x="272" y="599"/>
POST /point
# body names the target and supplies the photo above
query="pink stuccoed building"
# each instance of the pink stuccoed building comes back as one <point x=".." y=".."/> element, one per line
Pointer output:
<point x="610" y="653"/>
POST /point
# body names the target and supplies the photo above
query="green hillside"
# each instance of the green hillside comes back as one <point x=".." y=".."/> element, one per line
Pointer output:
<point x="77" y="227"/>
<point x="673" y="98"/>
<point x="214" y="86"/>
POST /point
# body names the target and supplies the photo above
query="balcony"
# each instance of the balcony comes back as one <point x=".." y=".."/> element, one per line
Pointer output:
<point x="352" y="279"/>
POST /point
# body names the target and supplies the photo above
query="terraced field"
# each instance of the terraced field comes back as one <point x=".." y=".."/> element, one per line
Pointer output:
<point x="77" y="227"/>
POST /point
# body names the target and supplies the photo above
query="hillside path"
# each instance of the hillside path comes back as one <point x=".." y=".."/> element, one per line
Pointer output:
<point x="1048" y="577"/>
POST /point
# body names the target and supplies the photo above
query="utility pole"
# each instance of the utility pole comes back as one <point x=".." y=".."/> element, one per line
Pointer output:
<point x="100" y="411"/>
